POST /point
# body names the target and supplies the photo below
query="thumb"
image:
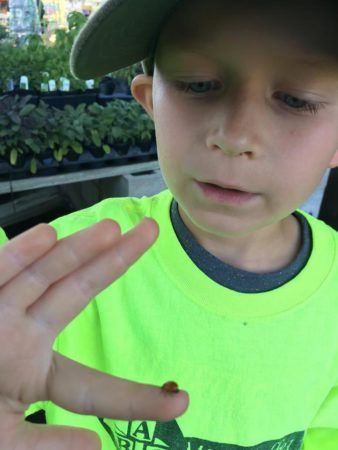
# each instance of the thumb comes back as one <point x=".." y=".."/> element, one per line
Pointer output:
<point x="44" y="437"/>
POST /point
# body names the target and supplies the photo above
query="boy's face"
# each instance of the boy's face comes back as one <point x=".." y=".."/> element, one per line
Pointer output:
<point x="236" y="105"/>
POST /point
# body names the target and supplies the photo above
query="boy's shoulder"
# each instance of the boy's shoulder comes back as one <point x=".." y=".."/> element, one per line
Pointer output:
<point x="127" y="211"/>
<point x="317" y="223"/>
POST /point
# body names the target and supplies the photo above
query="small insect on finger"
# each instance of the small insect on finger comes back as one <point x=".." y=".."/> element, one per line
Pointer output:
<point x="170" y="387"/>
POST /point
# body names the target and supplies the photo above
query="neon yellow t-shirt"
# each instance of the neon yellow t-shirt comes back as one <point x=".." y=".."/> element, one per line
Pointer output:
<point x="261" y="369"/>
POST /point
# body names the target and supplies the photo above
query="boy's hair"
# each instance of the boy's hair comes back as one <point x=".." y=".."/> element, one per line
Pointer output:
<point x="148" y="65"/>
<point x="318" y="29"/>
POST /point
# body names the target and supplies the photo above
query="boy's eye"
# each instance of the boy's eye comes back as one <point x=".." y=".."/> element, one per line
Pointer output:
<point x="295" y="103"/>
<point x="197" y="87"/>
<point x="299" y="104"/>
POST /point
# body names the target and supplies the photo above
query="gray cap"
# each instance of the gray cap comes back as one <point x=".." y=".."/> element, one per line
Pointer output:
<point x="118" y="34"/>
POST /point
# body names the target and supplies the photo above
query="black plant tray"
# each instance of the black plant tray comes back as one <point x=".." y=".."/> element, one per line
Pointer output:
<point x="86" y="161"/>
<point x="104" y="99"/>
<point x="59" y="99"/>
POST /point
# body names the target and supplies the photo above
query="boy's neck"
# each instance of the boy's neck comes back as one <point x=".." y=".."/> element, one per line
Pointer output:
<point x="267" y="250"/>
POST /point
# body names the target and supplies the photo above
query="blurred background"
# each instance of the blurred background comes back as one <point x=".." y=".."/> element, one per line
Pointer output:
<point x="66" y="144"/>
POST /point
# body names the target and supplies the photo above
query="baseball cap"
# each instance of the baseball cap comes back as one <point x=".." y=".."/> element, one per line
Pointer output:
<point x="118" y="34"/>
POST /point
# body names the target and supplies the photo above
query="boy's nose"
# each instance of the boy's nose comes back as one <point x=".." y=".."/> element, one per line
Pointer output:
<point x="240" y="127"/>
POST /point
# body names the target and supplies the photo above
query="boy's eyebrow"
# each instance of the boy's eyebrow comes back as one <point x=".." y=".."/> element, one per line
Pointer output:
<point x="314" y="62"/>
<point x="309" y="65"/>
<point x="311" y="61"/>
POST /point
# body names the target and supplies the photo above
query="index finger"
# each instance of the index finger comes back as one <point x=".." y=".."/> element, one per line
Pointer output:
<point x="24" y="249"/>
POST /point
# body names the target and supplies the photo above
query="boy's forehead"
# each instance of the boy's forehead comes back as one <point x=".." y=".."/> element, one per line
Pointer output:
<point x="230" y="48"/>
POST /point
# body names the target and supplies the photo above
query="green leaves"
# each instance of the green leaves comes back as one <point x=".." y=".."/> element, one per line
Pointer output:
<point x="77" y="147"/>
<point x="33" y="41"/>
<point x="95" y="137"/>
<point x="3" y="32"/>
<point x="75" y="20"/>
<point x="22" y="129"/>
<point x="106" y="148"/>
<point x="26" y="110"/>
<point x="34" y="58"/>
<point x="15" y="118"/>
<point x="32" y="130"/>
<point x="13" y="156"/>
<point x="58" y="154"/>
<point x="33" y="145"/>
<point x="33" y="166"/>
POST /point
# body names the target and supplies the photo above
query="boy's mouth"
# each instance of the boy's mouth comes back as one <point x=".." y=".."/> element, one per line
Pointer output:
<point x="225" y="186"/>
<point x="229" y="188"/>
<point x="226" y="194"/>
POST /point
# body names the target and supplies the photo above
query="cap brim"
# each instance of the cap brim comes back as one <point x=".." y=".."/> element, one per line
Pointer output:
<point x="118" y="34"/>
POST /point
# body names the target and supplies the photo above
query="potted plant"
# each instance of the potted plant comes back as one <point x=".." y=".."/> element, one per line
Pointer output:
<point x="142" y="126"/>
<point x="22" y="130"/>
<point x="121" y="135"/>
<point x="47" y="136"/>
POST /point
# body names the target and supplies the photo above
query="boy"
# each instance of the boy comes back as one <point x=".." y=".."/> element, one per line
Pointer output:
<point x="236" y="294"/>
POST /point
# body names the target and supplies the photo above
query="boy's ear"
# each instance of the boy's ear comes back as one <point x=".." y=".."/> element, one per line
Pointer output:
<point x="142" y="90"/>
<point x="334" y="160"/>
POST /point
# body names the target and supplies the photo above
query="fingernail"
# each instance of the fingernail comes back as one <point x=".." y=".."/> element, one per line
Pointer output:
<point x="170" y="387"/>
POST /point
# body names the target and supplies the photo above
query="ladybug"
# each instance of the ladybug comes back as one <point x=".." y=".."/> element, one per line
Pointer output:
<point x="171" y="387"/>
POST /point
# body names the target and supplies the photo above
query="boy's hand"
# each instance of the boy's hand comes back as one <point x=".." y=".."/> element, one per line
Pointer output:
<point x="44" y="284"/>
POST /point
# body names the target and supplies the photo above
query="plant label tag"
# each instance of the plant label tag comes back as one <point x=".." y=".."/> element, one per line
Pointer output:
<point x="90" y="84"/>
<point x="24" y="82"/>
<point x="52" y="85"/>
<point x="44" y="87"/>
<point x="65" y="84"/>
<point x="10" y="85"/>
